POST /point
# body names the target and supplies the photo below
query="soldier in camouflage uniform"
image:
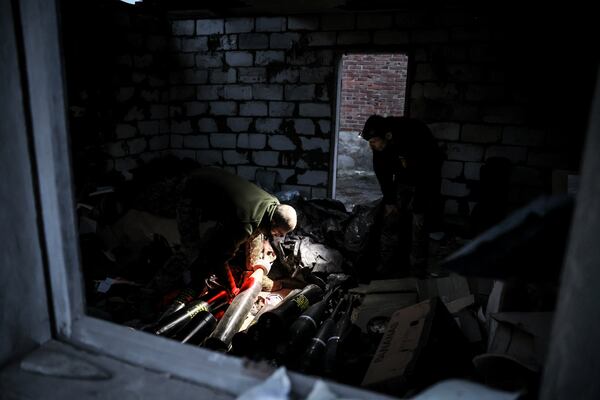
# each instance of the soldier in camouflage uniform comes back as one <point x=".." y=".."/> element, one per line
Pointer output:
<point x="241" y="209"/>
<point x="407" y="162"/>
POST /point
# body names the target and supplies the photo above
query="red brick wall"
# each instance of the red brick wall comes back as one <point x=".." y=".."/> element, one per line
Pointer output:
<point x="371" y="84"/>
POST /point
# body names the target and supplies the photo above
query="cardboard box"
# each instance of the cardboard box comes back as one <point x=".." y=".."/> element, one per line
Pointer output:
<point x="377" y="308"/>
<point x="421" y="345"/>
<point x="469" y="325"/>
<point x="380" y="299"/>
<point x="448" y="288"/>
<point x="521" y="335"/>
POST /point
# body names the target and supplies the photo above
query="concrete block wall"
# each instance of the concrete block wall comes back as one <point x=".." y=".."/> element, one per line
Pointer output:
<point x="143" y="126"/>
<point x="266" y="98"/>
<point x="258" y="94"/>
<point x="277" y="102"/>
<point x="270" y="90"/>
<point x="117" y="61"/>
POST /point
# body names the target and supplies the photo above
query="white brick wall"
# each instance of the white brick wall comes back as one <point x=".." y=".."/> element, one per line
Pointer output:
<point x="148" y="128"/>
<point x="281" y="109"/>
<point x="282" y="143"/>
<point x="195" y="142"/>
<point x="135" y="113"/>
<point x="454" y="189"/>
<point x="325" y="125"/>
<point x="209" y="26"/>
<point x="265" y="158"/>
<point x="252" y="141"/>
<point x="217" y="76"/>
<point x="209" y="157"/>
<point x="239" y="25"/>
<point x="247" y="172"/>
<point x="299" y="92"/>
<point x="268" y="125"/>
<point x="266" y="79"/>
<point x="183" y="27"/>
<point x="321" y="39"/>
<point x="209" y="60"/>
<point x="136" y="146"/>
<point x="238" y="124"/>
<point x="285" y="76"/>
<point x="315" y="110"/>
<point x="520" y="136"/>
<point x="481" y="133"/>
<point x="304" y="126"/>
<point x="223" y="107"/>
<point x="252" y="75"/>
<point x="367" y="21"/>
<point x="313" y="178"/>
<point x="238" y="92"/>
<point x="452" y="169"/>
<point x="207" y="125"/>
<point x="124" y="131"/>
<point x="464" y="152"/>
<point x="209" y="92"/>
<point x="335" y="22"/>
<point x="234" y="157"/>
<point x="270" y="24"/>
<point x="514" y="153"/>
<point x="223" y="140"/>
<point x="194" y="108"/>
<point x="315" y="144"/>
<point x="254" y="109"/>
<point x="253" y="41"/>
<point x="268" y="92"/>
<point x="194" y="44"/>
<point x="181" y="126"/>
<point x="239" y="58"/>
<point x="159" y="111"/>
<point x="283" y="40"/>
<point x="303" y="23"/>
<point x="268" y="57"/>
<point x="472" y="170"/>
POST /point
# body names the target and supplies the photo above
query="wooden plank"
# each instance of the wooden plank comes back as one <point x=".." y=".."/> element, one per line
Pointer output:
<point x="125" y="381"/>
<point x="48" y="111"/>
<point x="24" y="315"/>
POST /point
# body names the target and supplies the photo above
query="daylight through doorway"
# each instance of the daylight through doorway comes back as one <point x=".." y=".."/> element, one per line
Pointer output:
<point x="370" y="84"/>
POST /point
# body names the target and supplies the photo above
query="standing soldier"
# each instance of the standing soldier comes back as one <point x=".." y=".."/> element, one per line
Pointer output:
<point x="407" y="162"/>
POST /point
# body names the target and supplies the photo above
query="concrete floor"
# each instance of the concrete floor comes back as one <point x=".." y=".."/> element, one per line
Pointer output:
<point x="355" y="180"/>
<point x="359" y="187"/>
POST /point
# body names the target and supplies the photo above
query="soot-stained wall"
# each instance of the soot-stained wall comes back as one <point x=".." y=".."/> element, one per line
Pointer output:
<point x="259" y="93"/>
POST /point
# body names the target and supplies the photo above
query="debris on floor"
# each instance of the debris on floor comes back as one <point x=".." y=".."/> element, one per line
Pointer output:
<point x="326" y="307"/>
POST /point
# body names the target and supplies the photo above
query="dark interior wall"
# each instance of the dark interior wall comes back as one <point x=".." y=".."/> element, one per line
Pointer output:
<point x="24" y="317"/>
<point x="117" y="64"/>
<point x="489" y="82"/>
<point x="258" y="93"/>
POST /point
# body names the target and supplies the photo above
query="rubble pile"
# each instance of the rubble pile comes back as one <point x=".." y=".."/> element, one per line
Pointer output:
<point x="326" y="307"/>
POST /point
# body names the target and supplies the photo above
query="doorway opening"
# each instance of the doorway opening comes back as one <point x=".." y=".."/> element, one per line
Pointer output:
<point x="370" y="83"/>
